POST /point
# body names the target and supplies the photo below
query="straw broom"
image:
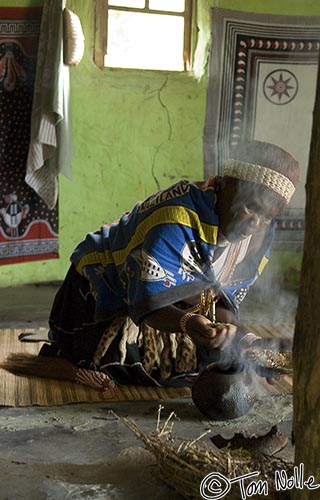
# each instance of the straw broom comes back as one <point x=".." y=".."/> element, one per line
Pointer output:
<point x="56" y="368"/>
<point x="40" y="366"/>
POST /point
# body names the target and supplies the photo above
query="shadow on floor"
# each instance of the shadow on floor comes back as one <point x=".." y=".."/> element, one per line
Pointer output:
<point x="80" y="451"/>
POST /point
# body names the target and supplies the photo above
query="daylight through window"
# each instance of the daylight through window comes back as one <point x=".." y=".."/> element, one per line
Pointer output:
<point x="143" y="34"/>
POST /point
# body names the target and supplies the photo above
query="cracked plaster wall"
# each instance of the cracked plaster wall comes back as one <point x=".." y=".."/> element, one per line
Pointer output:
<point x="134" y="132"/>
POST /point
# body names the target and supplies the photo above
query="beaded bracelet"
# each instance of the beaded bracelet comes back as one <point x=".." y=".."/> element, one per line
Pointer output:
<point x="247" y="340"/>
<point x="184" y="320"/>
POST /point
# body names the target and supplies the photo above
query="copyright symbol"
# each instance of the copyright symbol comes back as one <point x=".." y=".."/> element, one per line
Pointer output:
<point x="214" y="486"/>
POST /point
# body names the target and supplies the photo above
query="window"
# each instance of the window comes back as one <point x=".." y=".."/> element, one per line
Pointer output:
<point x="143" y="34"/>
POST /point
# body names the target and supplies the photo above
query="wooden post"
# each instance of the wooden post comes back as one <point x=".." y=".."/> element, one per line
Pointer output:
<point x="100" y="41"/>
<point x="306" y="351"/>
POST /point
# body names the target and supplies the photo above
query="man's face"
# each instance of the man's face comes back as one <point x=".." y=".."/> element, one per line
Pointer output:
<point x="245" y="208"/>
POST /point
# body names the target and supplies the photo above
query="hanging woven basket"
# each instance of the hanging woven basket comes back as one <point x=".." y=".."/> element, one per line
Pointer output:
<point x="73" y="38"/>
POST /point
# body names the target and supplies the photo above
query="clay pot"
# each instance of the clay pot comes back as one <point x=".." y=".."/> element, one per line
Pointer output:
<point x="223" y="394"/>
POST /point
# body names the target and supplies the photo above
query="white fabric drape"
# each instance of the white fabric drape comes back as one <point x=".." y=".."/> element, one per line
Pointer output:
<point x="50" y="150"/>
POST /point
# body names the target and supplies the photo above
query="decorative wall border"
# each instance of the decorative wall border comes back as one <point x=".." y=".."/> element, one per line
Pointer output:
<point x="240" y="42"/>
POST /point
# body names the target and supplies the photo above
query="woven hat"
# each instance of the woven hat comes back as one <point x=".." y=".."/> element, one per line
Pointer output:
<point x="265" y="164"/>
<point x="73" y="38"/>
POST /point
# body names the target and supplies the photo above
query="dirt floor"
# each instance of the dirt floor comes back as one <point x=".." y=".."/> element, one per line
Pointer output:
<point x="82" y="451"/>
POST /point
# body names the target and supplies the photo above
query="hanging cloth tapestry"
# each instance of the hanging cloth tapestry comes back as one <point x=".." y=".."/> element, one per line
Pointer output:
<point x="28" y="229"/>
<point x="262" y="81"/>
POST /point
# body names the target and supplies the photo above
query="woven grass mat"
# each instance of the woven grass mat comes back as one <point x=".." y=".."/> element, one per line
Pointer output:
<point x="28" y="391"/>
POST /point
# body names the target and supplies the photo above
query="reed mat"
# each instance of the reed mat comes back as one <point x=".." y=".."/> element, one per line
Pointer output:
<point x="28" y="391"/>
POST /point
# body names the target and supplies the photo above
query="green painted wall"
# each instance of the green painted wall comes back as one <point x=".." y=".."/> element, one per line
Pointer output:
<point x="133" y="132"/>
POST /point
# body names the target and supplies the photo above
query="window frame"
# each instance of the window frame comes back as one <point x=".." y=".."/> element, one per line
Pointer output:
<point x="101" y="35"/>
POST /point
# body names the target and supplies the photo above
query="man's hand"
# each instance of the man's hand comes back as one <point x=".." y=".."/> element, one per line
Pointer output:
<point x="208" y="335"/>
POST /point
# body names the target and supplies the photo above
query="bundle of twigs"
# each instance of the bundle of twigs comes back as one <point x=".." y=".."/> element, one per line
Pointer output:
<point x="183" y="464"/>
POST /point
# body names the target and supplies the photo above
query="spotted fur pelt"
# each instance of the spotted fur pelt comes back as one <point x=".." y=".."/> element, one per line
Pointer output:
<point x="169" y="352"/>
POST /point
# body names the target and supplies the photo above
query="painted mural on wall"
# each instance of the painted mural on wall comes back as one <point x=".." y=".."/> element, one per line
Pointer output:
<point x="28" y="229"/>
